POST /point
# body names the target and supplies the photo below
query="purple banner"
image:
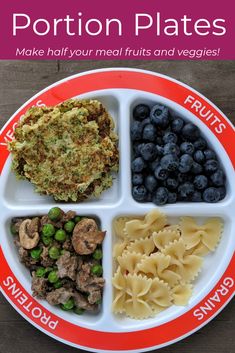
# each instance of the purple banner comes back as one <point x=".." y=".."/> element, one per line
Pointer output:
<point x="133" y="29"/>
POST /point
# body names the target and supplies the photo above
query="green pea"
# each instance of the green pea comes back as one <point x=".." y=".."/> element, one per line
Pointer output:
<point x="13" y="229"/>
<point x="48" y="269"/>
<point x="97" y="270"/>
<point x="54" y="253"/>
<point x="35" y="253"/>
<point x="48" y="230"/>
<point x="60" y="235"/>
<point x="41" y="271"/>
<point x="78" y="311"/>
<point x="62" y="251"/>
<point x="58" y="284"/>
<point x="99" y="301"/>
<point x="68" y="305"/>
<point x="69" y="226"/>
<point x="46" y="240"/>
<point x="77" y="219"/>
<point x="55" y="214"/>
<point x="97" y="255"/>
<point x="53" y="277"/>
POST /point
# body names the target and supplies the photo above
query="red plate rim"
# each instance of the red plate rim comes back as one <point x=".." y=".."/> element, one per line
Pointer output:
<point x="146" y="339"/>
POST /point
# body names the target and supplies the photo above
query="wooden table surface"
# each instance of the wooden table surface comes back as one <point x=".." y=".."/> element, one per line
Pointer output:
<point x="20" y="80"/>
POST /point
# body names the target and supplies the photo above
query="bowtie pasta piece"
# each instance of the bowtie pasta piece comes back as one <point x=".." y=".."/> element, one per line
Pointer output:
<point x="165" y="237"/>
<point x="142" y="246"/>
<point x="157" y="265"/>
<point x="159" y="294"/>
<point x="128" y="262"/>
<point x="153" y="221"/>
<point x="119" y="248"/>
<point x="195" y="235"/>
<point x="181" y="294"/>
<point x="119" y="225"/>
<point x="187" y="266"/>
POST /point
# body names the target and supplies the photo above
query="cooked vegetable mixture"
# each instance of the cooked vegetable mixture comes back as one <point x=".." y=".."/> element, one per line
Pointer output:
<point x="63" y="253"/>
<point x="68" y="151"/>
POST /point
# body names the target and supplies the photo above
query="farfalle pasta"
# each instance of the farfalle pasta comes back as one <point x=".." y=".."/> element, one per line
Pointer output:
<point x="142" y="246"/>
<point x="141" y="228"/>
<point x="201" y="238"/>
<point x="164" y="237"/>
<point x="157" y="261"/>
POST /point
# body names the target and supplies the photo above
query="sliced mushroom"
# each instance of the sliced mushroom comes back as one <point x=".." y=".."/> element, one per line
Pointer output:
<point x="28" y="240"/>
<point x="86" y="236"/>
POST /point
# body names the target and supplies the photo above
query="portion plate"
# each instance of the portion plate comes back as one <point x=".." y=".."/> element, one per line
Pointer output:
<point x="119" y="90"/>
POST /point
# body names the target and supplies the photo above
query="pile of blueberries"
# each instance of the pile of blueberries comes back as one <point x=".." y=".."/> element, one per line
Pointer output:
<point x="171" y="160"/>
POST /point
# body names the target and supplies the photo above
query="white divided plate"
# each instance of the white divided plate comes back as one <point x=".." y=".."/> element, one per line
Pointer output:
<point x="119" y="90"/>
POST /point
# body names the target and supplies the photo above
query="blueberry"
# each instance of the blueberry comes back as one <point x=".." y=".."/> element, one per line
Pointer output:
<point x="186" y="190"/>
<point x="187" y="147"/>
<point x="136" y="148"/>
<point x="149" y="132"/>
<point x="148" y="151"/>
<point x="183" y="177"/>
<point x="171" y="183"/>
<point x="222" y="191"/>
<point x="190" y="132"/>
<point x="172" y="197"/>
<point x="160" y="196"/>
<point x="177" y="125"/>
<point x="150" y="183"/>
<point x="185" y="163"/>
<point x="169" y="162"/>
<point x="199" y="157"/>
<point x="169" y="137"/>
<point x="136" y="131"/>
<point x="200" y="182"/>
<point x="209" y="154"/>
<point x="210" y="166"/>
<point x="137" y="179"/>
<point x="196" y="196"/>
<point x="159" y="141"/>
<point x="139" y="193"/>
<point x="160" y="150"/>
<point x="141" y="111"/>
<point x="211" y="195"/>
<point x="145" y="122"/>
<point x="218" y="178"/>
<point x="200" y="144"/>
<point x="160" y="173"/>
<point x="196" y="168"/>
<point x="153" y="165"/>
<point x="159" y="115"/>
<point x="137" y="165"/>
<point x="171" y="148"/>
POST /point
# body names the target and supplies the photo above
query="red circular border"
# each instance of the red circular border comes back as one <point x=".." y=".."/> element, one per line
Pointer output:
<point x="169" y="331"/>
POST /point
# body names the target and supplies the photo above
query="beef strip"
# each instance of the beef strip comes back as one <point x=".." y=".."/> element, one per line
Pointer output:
<point x="95" y="289"/>
<point x="67" y="265"/>
<point x="17" y="222"/>
<point x="26" y="258"/>
<point x="87" y="282"/>
<point x="67" y="245"/>
<point x="39" y="286"/>
<point x="82" y="302"/>
<point x="59" y="296"/>
<point x="68" y="216"/>
<point x="46" y="261"/>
